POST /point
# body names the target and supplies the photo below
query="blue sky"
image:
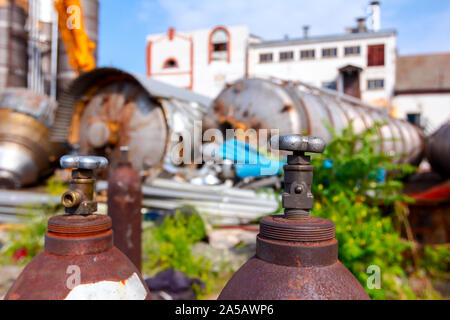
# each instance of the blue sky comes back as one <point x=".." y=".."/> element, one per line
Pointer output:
<point x="423" y="25"/>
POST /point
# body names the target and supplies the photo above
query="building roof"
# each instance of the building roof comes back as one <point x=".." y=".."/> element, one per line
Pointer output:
<point x="423" y="73"/>
<point x="326" y="38"/>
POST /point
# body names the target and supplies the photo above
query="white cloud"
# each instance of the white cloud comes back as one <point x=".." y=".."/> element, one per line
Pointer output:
<point x="266" y="18"/>
<point x="272" y="19"/>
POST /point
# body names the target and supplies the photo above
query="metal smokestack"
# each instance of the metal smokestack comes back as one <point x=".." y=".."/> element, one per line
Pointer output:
<point x="376" y="15"/>
<point x="305" y="32"/>
<point x="361" y="25"/>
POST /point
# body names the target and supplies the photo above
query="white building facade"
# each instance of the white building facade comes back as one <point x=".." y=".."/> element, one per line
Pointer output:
<point x="202" y="60"/>
<point x="422" y="90"/>
<point x="360" y="63"/>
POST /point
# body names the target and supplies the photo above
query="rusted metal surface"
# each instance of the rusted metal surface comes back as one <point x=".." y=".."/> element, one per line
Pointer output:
<point x="26" y="152"/>
<point x="296" y="254"/>
<point x="429" y="214"/>
<point x="13" y="44"/>
<point x="296" y="107"/>
<point x="79" y="260"/>
<point x="108" y="108"/>
<point x="261" y="280"/>
<point x="438" y="150"/>
<point x="124" y="208"/>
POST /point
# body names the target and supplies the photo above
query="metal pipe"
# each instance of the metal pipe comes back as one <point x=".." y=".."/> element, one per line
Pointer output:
<point x="124" y="208"/>
<point x="54" y="56"/>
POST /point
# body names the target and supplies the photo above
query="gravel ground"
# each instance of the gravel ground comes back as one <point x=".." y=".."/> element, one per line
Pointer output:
<point x="8" y="274"/>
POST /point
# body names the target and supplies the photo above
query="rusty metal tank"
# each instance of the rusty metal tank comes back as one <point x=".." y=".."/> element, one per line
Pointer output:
<point x="26" y="152"/>
<point x="108" y="108"/>
<point x="66" y="74"/>
<point x="296" y="254"/>
<point x="79" y="261"/>
<point x="438" y="150"/>
<point x="13" y="44"/>
<point x="124" y="208"/>
<point x="296" y="107"/>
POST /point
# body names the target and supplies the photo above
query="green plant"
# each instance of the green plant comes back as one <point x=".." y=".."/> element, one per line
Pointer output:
<point x="352" y="181"/>
<point x="169" y="245"/>
<point x="436" y="259"/>
<point x="26" y="240"/>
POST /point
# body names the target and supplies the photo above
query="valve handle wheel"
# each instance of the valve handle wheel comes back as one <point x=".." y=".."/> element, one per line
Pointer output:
<point x="298" y="143"/>
<point x="83" y="162"/>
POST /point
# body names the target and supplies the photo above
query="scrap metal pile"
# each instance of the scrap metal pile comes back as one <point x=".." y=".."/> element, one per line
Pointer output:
<point x="108" y="108"/>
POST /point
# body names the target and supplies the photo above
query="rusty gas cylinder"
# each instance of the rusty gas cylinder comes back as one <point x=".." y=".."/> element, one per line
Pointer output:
<point x="124" y="208"/>
<point x="79" y="261"/>
<point x="296" y="254"/>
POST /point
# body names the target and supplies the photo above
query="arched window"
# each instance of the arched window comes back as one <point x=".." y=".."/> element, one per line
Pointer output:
<point x="219" y="45"/>
<point x="170" y="63"/>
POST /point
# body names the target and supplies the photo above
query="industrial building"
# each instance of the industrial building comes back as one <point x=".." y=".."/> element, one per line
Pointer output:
<point x="422" y="90"/>
<point x="360" y="62"/>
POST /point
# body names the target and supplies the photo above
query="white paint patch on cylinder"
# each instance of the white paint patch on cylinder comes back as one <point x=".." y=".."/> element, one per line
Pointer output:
<point x="130" y="289"/>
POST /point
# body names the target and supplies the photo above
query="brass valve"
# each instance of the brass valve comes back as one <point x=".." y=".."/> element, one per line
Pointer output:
<point x="79" y="199"/>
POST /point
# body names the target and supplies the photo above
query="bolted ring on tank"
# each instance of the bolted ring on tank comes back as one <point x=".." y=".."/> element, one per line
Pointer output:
<point x="79" y="261"/>
<point x="296" y="254"/>
<point x="26" y="151"/>
<point x="108" y="108"/>
<point x="296" y="107"/>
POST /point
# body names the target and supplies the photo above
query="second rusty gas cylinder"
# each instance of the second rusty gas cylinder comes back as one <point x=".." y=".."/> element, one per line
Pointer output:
<point x="296" y="254"/>
<point x="79" y="261"/>
<point x="124" y="208"/>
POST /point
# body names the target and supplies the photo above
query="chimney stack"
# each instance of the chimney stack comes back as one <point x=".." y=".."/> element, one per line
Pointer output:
<point x="305" y="32"/>
<point x="361" y="27"/>
<point x="376" y="16"/>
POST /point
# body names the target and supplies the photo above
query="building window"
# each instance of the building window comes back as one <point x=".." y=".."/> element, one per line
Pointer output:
<point x="170" y="63"/>
<point x="286" y="55"/>
<point x="414" y="118"/>
<point x="219" y="45"/>
<point x="329" y="52"/>
<point x="307" y="54"/>
<point x="375" y="84"/>
<point x="375" y="55"/>
<point x="265" y="57"/>
<point x="332" y="85"/>
<point x="352" y="51"/>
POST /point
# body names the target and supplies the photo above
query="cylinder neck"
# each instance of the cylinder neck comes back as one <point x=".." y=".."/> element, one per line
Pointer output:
<point x="78" y="235"/>
<point x="296" y="238"/>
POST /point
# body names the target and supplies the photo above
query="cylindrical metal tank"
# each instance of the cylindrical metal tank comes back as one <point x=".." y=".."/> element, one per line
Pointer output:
<point x="66" y="74"/>
<point x="124" y="208"/>
<point x="108" y="108"/>
<point x="79" y="261"/>
<point x="438" y="150"/>
<point x="296" y="254"/>
<point x="26" y="153"/>
<point x="13" y="44"/>
<point x="295" y="107"/>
